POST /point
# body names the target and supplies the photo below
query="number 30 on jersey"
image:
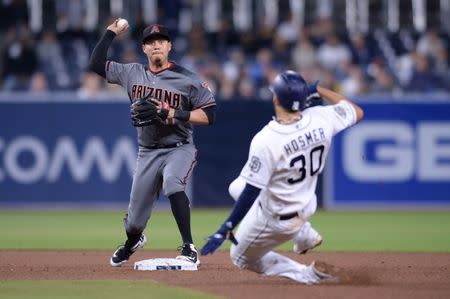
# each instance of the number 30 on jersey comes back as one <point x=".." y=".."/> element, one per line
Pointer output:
<point x="315" y="163"/>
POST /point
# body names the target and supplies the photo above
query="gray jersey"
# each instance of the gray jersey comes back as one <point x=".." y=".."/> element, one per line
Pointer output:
<point x="177" y="86"/>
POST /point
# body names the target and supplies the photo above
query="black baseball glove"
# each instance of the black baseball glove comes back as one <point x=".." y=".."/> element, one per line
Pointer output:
<point x="144" y="112"/>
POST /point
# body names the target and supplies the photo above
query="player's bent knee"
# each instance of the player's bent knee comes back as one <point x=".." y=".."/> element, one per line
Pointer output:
<point x="243" y="262"/>
<point x="237" y="258"/>
<point x="172" y="185"/>
<point x="170" y="191"/>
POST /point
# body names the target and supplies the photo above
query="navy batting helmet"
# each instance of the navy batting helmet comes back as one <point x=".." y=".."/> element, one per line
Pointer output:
<point x="291" y="90"/>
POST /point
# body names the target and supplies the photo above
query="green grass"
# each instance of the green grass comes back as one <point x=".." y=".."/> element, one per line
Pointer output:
<point x="384" y="231"/>
<point x="95" y="289"/>
<point x="342" y="231"/>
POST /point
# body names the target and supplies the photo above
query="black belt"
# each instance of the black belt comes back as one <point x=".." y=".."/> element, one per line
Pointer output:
<point x="172" y="145"/>
<point x="285" y="216"/>
<point x="288" y="216"/>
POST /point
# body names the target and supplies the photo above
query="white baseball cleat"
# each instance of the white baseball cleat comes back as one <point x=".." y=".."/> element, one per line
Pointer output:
<point x="312" y="275"/>
<point x="307" y="238"/>
<point x="321" y="271"/>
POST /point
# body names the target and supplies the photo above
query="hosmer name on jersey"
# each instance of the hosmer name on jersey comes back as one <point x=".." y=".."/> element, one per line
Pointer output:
<point x="172" y="98"/>
<point x="303" y="141"/>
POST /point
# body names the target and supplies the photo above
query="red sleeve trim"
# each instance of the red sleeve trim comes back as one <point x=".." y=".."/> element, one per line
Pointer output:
<point x="207" y="105"/>
<point x="107" y="65"/>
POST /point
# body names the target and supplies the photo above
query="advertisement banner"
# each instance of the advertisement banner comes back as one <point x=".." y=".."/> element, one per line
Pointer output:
<point x="74" y="154"/>
<point x="398" y="156"/>
<point x="83" y="154"/>
<point x="79" y="154"/>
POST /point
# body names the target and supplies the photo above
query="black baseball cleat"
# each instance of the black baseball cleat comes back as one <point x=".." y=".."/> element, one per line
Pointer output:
<point x="123" y="253"/>
<point x="189" y="253"/>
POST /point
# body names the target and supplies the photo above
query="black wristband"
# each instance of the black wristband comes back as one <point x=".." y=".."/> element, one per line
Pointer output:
<point x="182" y="115"/>
<point x="163" y="114"/>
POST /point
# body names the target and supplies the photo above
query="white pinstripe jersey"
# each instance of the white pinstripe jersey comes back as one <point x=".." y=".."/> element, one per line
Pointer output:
<point x="285" y="160"/>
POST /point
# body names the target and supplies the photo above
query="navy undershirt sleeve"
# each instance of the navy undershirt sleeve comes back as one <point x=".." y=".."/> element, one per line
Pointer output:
<point x="241" y="207"/>
<point x="97" y="61"/>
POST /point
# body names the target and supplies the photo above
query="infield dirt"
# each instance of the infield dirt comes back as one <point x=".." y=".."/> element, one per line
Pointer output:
<point x="361" y="275"/>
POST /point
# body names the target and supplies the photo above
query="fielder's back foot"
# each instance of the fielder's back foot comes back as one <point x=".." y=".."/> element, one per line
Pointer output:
<point x="123" y="253"/>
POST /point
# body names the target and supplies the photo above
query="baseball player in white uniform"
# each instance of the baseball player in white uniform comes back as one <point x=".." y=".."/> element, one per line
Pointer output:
<point x="306" y="239"/>
<point x="280" y="176"/>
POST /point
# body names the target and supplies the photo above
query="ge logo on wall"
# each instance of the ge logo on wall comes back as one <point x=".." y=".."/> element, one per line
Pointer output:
<point x="398" y="151"/>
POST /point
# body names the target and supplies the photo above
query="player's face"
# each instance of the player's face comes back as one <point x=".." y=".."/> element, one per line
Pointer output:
<point x="157" y="50"/>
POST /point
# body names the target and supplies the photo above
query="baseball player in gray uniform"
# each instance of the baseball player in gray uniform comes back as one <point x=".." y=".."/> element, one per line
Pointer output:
<point x="280" y="176"/>
<point x="166" y="100"/>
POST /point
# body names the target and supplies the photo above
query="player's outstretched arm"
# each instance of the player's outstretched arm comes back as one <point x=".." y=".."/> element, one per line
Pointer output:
<point x="200" y="116"/>
<point x="334" y="98"/>
<point x="203" y="116"/>
<point x="97" y="61"/>
<point x="240" y="209"/>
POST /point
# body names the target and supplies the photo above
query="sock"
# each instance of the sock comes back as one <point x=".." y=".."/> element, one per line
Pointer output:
<point x="132" y="239"/>
<point x="133" y="236"/>
<point x="182" y="214"/>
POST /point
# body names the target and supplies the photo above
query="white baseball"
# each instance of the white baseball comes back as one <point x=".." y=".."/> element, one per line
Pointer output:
<point x="122" y="23"/>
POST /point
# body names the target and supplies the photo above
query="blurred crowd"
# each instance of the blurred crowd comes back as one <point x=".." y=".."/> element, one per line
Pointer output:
<point x="237" y="65"/>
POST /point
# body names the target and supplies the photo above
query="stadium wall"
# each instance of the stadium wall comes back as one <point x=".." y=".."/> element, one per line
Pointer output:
<point x="398" y="157"/>
<point x="67" y="153"/>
